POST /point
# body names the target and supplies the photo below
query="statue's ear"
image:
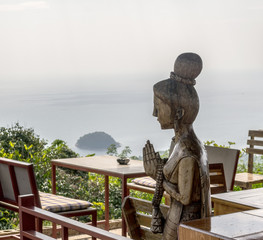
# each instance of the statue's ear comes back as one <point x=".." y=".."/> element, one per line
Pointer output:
<point x="179" y="113"/>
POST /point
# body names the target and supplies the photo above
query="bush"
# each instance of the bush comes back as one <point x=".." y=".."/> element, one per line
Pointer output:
<point x="19" y="136"/>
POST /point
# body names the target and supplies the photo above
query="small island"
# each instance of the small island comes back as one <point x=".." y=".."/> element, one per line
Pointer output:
<point x="96" y="141"/>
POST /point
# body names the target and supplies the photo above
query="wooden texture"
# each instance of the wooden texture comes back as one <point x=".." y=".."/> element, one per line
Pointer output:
<point x="229" y="158"/>
<point x="107" y="166"/>
<point x="10" y="237"/>
<point x="217" y="182"/>
<point x="146" y="189"/>
<point x="28" y="212"/>
<point x="184" y="176"/>
<point x="137" y="213"/>
<point x="217" y="178"/>
<point x="23" y="182"/>
<point x="242" y="225"/>
<point x="251" y="150"/>
<point x="246" y="180"/>
<point x="236" y="201"/>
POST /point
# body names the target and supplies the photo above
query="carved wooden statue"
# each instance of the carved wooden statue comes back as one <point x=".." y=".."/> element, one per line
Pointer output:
<point x="184" y="176"/>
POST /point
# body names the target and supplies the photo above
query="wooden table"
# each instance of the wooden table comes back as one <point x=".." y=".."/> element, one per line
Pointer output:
<point x="241" y="226"/>
<point x="107" y="166"/>
<point x="246" y="180"/>
<point x="237" y="201"/>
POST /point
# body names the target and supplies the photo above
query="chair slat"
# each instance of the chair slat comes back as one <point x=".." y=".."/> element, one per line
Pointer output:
<point x="217" y="179"/>
<point x="254" y="151"/>
<point x="142" y="205"/>
<point x="255" y="133"/>
<point x="146" y="206"/>
<point x="144" y="219"/>
<point x="218" y="189"/>
<point x="255" y="142"/>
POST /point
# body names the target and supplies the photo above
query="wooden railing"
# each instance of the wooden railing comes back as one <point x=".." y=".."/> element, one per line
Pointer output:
<point x="28" y="215"/>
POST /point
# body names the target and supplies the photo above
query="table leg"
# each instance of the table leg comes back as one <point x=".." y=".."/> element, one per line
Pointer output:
<point x="53" y="178"/>
<point x="107" y="210"/>
<point x="124" y="194"/>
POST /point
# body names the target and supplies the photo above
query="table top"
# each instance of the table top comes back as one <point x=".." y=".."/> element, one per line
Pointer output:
<point x="106" y="165"/>
<point x="252" y="197"/>
<point x="236" y="225"/>
<point x="248" y="177"/>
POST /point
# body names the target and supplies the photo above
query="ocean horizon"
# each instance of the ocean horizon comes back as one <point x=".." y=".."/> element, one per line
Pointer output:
<point x="226" y="114"/>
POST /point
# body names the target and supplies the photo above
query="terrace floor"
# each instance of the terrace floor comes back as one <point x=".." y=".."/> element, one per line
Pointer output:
<point x="86" y="237"/>
<point x="115" y="226"/>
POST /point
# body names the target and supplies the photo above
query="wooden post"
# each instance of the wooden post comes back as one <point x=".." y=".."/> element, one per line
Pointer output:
<point x="107" y="207"/>
<point x="64" y="233"/>
<point x="27" y="221"/>
<point x="250" y="157"/>
<point x="53" y="179"/>
<point x="124" y="194"/>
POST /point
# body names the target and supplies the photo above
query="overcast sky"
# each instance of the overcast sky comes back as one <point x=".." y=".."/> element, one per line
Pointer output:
<point x="115" y="44"/>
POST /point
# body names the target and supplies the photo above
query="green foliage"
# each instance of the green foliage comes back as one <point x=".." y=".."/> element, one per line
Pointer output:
<point x="164" y="154"/>
<point x="8" y="219"/>
<point x="59" y="149"/>
<point x="13" y="140"/>
<point x="112" y="151"/>
<point x="125" y="152"/>
<point x="72" y="183"/>
<point x="213" y="143"/>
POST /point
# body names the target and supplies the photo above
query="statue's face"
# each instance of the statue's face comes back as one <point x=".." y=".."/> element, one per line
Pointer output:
<point x="164" y="114"/>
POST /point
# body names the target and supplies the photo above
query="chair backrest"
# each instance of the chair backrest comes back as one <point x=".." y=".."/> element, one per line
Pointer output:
<point x="229" y="158"/>
<point x="217" y="178"/>
<point x="138" y="215"/>
<point x="16" y="178"/>
<point x="256" y="140"/>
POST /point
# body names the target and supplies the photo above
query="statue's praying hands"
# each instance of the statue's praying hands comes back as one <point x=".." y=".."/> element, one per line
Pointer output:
<point x="153" y="165"/>
<point x="151" y="159"/>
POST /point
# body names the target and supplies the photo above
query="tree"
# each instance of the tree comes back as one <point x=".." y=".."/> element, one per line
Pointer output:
<point x="17" y="139"/>
<point x="112" y="150"/>
<point x="59" y="149"/>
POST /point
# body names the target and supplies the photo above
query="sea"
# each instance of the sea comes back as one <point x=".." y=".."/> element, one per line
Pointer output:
<point x="229" y="107"/>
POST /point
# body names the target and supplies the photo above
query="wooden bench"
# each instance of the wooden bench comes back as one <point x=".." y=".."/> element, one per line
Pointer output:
<point x="18" y="178"/>
<point x="216" y="155"/>
<point x="246" y="180"/>
<point x="217" y="182"/>
<point x="28" y="213"/>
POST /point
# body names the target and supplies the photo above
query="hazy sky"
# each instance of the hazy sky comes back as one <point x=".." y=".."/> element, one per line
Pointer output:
<point x="123" y="44"/>
<point x="70" y="67"/>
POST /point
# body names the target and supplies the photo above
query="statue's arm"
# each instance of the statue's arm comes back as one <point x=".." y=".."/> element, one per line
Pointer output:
<point x="183" y="192"/>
